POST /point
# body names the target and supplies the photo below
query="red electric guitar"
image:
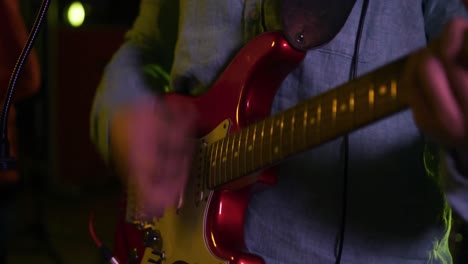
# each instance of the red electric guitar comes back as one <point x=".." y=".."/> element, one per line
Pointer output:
<point x="238" y="138"/>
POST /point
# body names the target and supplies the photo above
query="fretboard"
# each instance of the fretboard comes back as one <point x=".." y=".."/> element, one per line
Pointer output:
<point x="307" y="125"/>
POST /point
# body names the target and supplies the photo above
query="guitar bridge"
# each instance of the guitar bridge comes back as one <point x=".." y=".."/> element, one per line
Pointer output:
<point x="153" y="243"/>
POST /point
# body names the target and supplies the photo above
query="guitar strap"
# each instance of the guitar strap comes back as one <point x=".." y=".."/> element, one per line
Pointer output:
<point x="311" y="23"/>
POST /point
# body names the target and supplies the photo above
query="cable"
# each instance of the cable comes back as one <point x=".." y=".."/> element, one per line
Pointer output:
<point x="96" y="240"/>
<point x="7" y="162"/>
<point x="105" y="251"/>
<point x="352" y="75"/>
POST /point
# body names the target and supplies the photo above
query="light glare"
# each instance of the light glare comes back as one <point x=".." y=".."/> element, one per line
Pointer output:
<point x="76" y="14"/>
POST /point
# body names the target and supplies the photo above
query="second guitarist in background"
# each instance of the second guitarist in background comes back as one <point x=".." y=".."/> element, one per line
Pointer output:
<point x="13" y="37"/>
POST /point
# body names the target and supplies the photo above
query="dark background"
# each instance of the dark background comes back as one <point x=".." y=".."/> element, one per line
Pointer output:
<point x="63" y="180"/>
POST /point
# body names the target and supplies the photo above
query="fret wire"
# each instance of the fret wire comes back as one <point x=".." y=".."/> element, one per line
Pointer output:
<point x="273" y="135"/>
<point x="296" y="134"/>
<point x="293" y="120"/>
<point x="253" y="150"/>
<point x="263" y="137"/>
<point x="285" y="131"/>
<point x="259" y="145"/>
<point x="355" y="96"/>
<point x="281" y="124"/>
<point x="273" y="150"/>
<point x="394" y="89"/>
<point x="241" y="154"/>
<point x="217" y="163"/>
<point x="220" y="176"/>
<point x="345" y="115"/>
<point x="210" y="154"/>
<point x="201" y="157"/>
<point x="237" y="151"/>
<point x="225" y="158"/>
<point x="319" y="118"/>
<point x="300" y="141"/>
<point x="332" y="109"/>
<point x="326" y="119"/>
<point x="206" y="166"/>
<point x="212" y="165"/>
<point x="372" y="98"/>
<point x="250" y="156"/>
<point x="267" y="140"/>
<point x="305" y="123"/>
<point x="233" y="174"/>
<point x="352" y="102"/>
<point x="246" y="149"/>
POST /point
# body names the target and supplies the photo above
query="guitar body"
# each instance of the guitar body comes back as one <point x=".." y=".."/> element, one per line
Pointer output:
<point x="208" y="227"/>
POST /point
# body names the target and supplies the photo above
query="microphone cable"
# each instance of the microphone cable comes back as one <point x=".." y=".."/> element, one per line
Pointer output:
<point x="6" y="161"/>
<point x="352" y="76"/>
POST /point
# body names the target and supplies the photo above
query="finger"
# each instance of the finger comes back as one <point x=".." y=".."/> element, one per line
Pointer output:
<point x="410" y="84"/>
<point x="174" y="159"/>
<point x="458" y="79"/>
<point x="186" y="170"/>
<point x="151" y="201"/>
<point x="440" y="99"/>
<point x="451" y="42"/>
<point x="454" y="57"/>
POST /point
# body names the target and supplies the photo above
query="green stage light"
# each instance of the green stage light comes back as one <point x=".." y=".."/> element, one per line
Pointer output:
<point x="76" y="14"/>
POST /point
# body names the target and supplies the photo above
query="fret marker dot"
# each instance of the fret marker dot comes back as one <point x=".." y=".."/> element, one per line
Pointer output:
<point x="249" y="148"/>
<point x="343" y="107"/>
<point x="236" y="154"/>
<point x="224" y="159"/>
<point x="312" y="121"/>
<point x="382" y="90"/>
<point x="393" y="88"/>
<point x="213" y="164"/>
<point x="276" y="150"/>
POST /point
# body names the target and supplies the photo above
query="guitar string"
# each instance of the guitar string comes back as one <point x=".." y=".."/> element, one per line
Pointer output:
<point x="311" y="132"/>
<point x="327" y="121"/>
<point x="358" y="90"/>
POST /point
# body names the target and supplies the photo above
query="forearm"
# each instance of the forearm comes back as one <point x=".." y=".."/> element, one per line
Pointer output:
<point x="12" y="40"/>
<point x="124" y="80"/>
<point x="123" y="83"/>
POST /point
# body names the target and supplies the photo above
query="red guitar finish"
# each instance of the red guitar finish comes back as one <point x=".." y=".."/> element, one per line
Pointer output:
<point x="243" y="94"/>
<point x="238" y="137"/>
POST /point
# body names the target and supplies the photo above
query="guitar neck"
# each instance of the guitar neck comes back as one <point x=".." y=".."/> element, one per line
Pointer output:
<point x="313" y="122"/>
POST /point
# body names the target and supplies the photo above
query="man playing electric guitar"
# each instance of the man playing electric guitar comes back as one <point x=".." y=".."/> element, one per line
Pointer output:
<point x="372" y="181"/>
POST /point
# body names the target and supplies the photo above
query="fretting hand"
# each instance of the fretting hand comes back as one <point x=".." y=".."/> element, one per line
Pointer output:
<point x="437" y="80"/>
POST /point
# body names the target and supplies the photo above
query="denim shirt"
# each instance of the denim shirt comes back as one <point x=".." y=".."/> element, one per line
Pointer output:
<point x="396" y="207"/>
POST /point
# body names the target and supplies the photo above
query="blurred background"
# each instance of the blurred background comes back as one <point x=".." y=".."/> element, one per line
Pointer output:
<point x="63" y="180"/>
